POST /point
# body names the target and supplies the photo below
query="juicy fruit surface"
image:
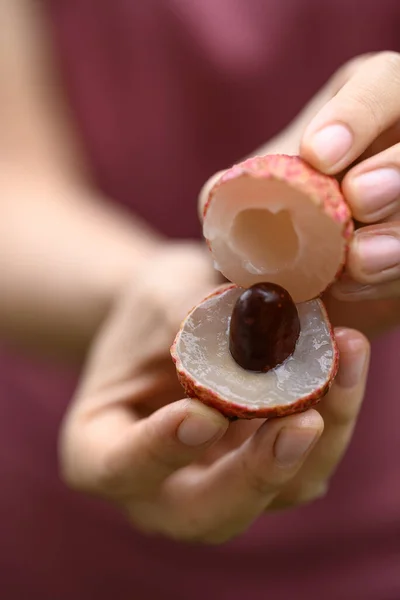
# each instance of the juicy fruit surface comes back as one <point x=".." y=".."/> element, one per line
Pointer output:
<point x="274" y="218"/>
<point x="264" y="327"/>
<point x="208" y="371"/>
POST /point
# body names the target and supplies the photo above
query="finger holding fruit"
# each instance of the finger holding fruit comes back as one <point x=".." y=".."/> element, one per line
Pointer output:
<point x="279" y="231"/>
<point x="357" y="133"/>
<point x="280" y="228"/>
<point x="185" y="470"/>
<point x="358" y="106"/>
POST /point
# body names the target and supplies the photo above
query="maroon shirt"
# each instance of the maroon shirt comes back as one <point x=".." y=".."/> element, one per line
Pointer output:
<point x="165" y="93"/>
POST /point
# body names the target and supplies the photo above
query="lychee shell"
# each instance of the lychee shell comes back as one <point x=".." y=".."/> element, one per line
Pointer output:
<point x="318" y="370"/>
<point x="275" y="218"/>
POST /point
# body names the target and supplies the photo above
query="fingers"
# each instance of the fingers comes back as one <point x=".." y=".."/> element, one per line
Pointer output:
<point x="372" y="188"/>
<point x="222" y="500"/>
<point x="286" y="462"/>
<point x="141" y="454"/>
<point x="288" y="141"/>
<point x="142" y="324"/>
<point x="373" y="265"/>
<point x="374" y="256"/>
<point x="339" y="410"/>
<point x="364" y="107"/>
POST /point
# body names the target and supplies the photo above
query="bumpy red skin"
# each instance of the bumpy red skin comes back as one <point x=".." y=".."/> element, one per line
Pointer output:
<point x="233" y="410"/>
<point x="322" y="189"/>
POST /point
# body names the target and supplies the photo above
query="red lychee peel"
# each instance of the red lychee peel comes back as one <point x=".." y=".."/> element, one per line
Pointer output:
<point x="231" y="409"/>
<point x="325" y="192"/>
<point x="321" y="189"/>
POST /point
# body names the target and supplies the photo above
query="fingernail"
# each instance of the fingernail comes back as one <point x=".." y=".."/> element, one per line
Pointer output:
<point x="293" y="443"/>
<point x="198" y="429"/>
<point x="378" y="252"/>
<point x="331" y="144"/>
<point x="376" y="189"/>
<point x="352" y="365"/>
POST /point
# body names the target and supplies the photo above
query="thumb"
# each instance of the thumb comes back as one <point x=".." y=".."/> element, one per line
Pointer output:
<point x="289" y="140"/>
<point x="286" y="142"/>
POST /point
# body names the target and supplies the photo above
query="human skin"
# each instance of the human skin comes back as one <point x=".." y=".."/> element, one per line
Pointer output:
<point x="358" y="111"/>
<point x="169" y="464"/>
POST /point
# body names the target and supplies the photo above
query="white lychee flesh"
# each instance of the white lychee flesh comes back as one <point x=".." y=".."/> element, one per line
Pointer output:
<point x="208" y="372"/>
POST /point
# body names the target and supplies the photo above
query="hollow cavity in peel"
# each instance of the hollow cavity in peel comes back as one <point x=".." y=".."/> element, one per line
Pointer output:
<point x="274" y="218"/>
<point x="271" y="218"/>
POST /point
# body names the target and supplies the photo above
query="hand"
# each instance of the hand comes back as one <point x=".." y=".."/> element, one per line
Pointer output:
<point x="356" y="133"/>
<point x="351" y="129"/>
<point x="361" y="124"/>
<point x="177" y="467"/>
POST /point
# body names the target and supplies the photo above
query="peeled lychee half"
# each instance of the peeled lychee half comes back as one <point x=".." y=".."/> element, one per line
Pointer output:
<point x="263" y="347"/>
<point x="208" y="371"/>
<point x="274" y="218"/>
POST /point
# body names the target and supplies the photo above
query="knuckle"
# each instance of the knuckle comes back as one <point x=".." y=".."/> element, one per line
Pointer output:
<point x="256" y="480"/>
<point x="108" y="478"/>
<point x="372" y="105"/>
<point x="347" y="70"/>
<point x="391" y="60"/>
<point x="371" y="98"/>
<point x="163" y="458"/>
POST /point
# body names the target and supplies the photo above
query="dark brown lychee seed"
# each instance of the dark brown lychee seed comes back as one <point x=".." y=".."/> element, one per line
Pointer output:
<point x="264" y="327"/>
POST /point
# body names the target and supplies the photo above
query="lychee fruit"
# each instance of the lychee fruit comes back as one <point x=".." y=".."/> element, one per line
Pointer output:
<point x="292" y="381"/>
<point x="264" y="346"/>
<point x="274" y="218"/>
